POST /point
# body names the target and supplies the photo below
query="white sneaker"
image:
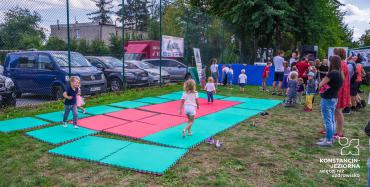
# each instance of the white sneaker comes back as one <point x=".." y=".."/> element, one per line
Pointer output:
<point x="76" y="127"/>
<point x="65" y="124"/>
<point x="218" y="144"/>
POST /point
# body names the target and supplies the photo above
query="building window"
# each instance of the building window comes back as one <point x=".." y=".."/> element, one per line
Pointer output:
<point x="78" y="36"/>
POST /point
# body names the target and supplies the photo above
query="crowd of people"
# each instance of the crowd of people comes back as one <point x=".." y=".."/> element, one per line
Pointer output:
<point x="336" y="80"/>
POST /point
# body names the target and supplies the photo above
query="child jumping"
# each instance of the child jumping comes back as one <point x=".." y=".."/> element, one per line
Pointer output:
<point x="265" y="75"/>
<point x="70" y="102"/>
<point x="242" y="80"/>
<point x="310" y="91"/>
<point x="189" y="101"/>
<point x="210" y="88"/>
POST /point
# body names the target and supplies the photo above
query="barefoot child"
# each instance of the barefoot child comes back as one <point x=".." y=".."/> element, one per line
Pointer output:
<point x="189" y="101"/>
<point x="242" y="80"/>
<point x="70" y="103"/>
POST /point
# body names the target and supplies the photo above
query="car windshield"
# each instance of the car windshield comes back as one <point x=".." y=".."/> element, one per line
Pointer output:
<point x="145" y="65"/>
<point x="112" y="62"/>
<point x="133" y="56"/>
<point x="129" y="65"/>
<point x="77" y="60"/>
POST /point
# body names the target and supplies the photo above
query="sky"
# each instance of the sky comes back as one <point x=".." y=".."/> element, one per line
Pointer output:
<point x="357" y="12"/>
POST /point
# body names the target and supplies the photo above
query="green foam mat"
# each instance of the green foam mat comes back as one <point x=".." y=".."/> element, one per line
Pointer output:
<point x="152" y="100"/>
<point x="97" y="110"/>
<point x="259" y="104"/>
<point x="215" y="96"/>
<point x="202" y="128"/>
<point x="58" y="116"/>
<point x="129" y="104"/>
<point x="245" y="99"/>
<point x="171" y="96"/>
<point x="20" y="124"/>
<point x="90" y="148"/>
<point x="145" y="158"/>
<point x="59" y="134"/>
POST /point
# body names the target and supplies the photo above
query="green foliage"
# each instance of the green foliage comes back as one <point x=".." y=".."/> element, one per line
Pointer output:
<point x="281" y="24"/>
<point x="83" y="47"/>
<point x="136" y="14"/>
<point x="55" y="44"/>
<point x="102" y="15"/>
<point x="21" y="29"/>
<point x="365" y="39"/>
<point x="99" y="48"/>
<point x="115" y="46"/>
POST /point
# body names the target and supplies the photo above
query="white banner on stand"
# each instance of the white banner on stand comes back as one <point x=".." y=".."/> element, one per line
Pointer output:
<point x="198" y="62"/>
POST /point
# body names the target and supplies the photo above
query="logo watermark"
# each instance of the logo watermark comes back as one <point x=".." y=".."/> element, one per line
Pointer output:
<point x="344" y="166"/>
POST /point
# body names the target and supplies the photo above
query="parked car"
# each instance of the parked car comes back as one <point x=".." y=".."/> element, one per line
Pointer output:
<point x="47" y="73"/>
<point x="176" y="69"/>
<point x="112" y="68"/>
<point x="153" y="71"/>
<point x="7" y="92"/>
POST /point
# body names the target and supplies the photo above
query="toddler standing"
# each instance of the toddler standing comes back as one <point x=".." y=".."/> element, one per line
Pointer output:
<point x="300" y="90"/>
<point x="292" y="90"/>
<point x="242" y="80"/>
<point x="310" y="91"/>
<point x="210" y="88"/>
<point x="70" y="102"/>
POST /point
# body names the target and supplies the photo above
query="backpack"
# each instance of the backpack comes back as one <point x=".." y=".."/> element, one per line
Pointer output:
<point x="354" y="76"/>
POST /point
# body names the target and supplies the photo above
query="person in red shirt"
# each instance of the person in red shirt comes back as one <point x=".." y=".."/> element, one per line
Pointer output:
<point x="265" y="75"/>
<point x="344" y="98"/>
<point x="302" y="67"/>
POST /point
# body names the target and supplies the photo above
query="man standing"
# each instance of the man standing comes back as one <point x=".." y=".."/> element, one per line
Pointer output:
<point x="279" y="72"/>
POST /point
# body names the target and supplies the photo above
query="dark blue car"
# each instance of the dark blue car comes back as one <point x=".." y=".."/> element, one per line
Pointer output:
<point x="46" y="73"/>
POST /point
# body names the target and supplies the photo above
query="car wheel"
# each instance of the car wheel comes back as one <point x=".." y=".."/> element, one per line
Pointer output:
<point x="12" y="101"/>
<point x="57" y="92"/>
<point x="116" y="84"/>
<point x="18" y="94"/>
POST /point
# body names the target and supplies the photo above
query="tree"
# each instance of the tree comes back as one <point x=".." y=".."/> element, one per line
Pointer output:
<point x="115" y="46"/>
<point x="83" y="47"/>
<point x="136" y="15"/>
<point x="98" y="48"/>
<point x="21" y="29"/>
<point x="365" y="39"/>
<point x="103" y="14"/>
<point x="55" y="44"/>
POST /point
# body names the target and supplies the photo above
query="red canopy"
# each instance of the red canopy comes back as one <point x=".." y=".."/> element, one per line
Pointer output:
<point x="136" y="48"/>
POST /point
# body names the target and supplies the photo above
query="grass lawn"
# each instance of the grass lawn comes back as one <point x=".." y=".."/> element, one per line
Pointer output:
<point x="278" y="151"/>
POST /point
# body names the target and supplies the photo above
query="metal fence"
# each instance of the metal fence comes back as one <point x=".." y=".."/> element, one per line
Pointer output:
<point x="43" y="43"/>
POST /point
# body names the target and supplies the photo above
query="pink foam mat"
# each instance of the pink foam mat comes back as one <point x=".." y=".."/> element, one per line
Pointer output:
<point x="164" y="121"/>
<point x="100" y="122"/>
<point x="172" y="108"/>
<point x="131" y="114"/>
<point x="134" y="129"/>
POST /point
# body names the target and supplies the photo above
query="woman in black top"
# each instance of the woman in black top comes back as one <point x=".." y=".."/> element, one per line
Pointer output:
<point x="329" y="88"/>
<point x="323" y="69"/>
